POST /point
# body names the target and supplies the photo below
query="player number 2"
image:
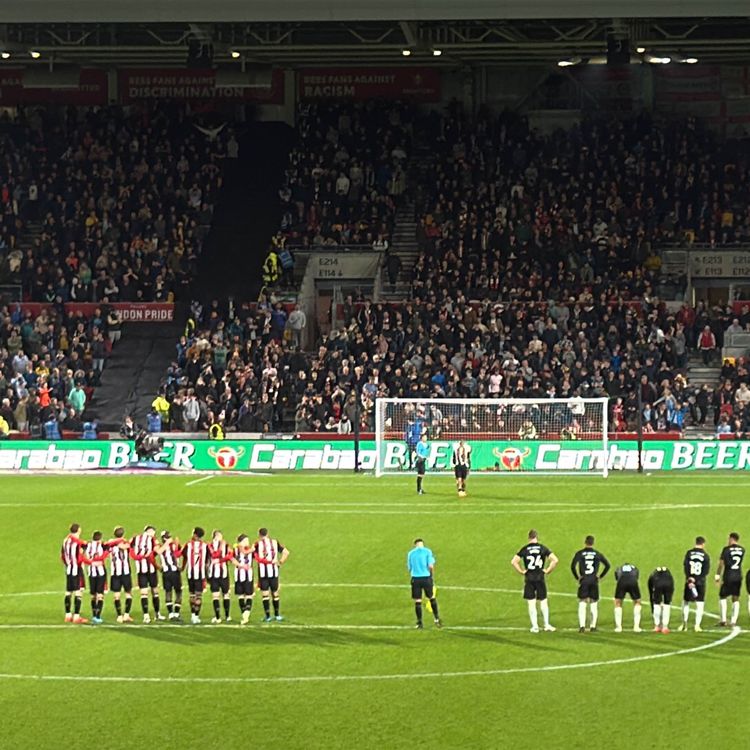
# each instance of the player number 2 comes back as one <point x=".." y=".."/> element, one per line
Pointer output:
<point x="736" y="562"/>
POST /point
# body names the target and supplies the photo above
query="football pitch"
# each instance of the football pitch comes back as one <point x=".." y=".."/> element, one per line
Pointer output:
<point x="346" y="667"/>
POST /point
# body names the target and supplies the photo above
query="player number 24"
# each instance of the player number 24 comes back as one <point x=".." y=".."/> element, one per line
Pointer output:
<point x="533" y="562"/>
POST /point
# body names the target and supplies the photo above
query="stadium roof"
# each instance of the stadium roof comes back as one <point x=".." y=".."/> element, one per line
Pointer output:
<point x="139" y="11"/>
<point x="136" y="32"/>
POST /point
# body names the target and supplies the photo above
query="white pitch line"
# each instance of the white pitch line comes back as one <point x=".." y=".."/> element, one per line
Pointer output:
<point x="295" y="626"/>
<point x="314" y="508"/>
<point x="161" y="680"/>
<point x="469" y="589"/>
<point x="198" y="481"/>
<point x="399" y="508"/>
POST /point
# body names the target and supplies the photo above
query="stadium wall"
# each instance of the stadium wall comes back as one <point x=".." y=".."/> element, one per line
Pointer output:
<point x="284" y="455"/>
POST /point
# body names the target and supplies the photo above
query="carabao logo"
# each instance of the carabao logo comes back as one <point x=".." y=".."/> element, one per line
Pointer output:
<point x="511" y="459"/>
<point x="226" y="458"/>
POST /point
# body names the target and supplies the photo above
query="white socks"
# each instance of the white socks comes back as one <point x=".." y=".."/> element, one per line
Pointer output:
<point x="636" y="616"/>
<point x="618" y="617"/>
<point x="544" y="606"/>
<point x="657" y="615"/>
<point x="699" y="606"/>
<point x="582" y="614"/>
<point x="532" y="613"/>
<point x="735" y="612"/>
<point x="723" y="609"/>
<point x="686" y="613"/>
<point x="666" y="611"/>
<point x="594" y="613"/>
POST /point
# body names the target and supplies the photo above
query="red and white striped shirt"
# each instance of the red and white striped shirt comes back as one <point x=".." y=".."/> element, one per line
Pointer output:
<point x="195" y="556"/>
<point x="169" y="556"/>
<point x="267" y="552"/>
<point x="70" y="554"/>
<point x="220" y="553"/>
<point x="94" y="556"/>
<point x="142" y="551"/>
<point x="119" y="559"/>
<point x="243" y="557"/>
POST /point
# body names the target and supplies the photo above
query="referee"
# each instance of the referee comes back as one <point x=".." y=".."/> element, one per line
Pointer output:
<point x="421" y="564"/>
<point x="422" y="451"/>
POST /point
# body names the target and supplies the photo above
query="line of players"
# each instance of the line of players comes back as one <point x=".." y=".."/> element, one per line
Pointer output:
<point x="535" y="562"/>
<point x="204" y="563"/>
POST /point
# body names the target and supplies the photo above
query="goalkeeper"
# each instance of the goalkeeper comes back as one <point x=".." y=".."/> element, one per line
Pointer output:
<point x="423" y="452"/>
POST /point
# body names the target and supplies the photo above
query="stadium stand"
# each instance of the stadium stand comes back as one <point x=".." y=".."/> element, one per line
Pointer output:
<point x="347" y="174"/>
<point x="115" y="203"/>
<point x="531" y="280"/>
<point x="50" y="366"/>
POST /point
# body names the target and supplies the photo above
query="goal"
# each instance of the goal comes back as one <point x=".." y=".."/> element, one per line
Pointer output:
<point x="506" y="436"/>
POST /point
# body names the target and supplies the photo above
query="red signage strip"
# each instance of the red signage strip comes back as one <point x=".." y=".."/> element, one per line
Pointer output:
<point x="419" y="84"/>
<point x="92" y="89"/>
<point x="130" y="312"/>
<point x="139" y="84"/>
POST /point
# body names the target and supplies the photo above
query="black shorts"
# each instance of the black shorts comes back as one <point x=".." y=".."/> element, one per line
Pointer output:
<point x="172" y="580"/>
<point x="123" y="582"/>
<point x="243" y="588"/>
<point x="662" y="595"/>
<point x="148" y="580"/>
<point x="700" y="589"/>
<point x="97" y="584"/>
<point x="421" y="465"/>
<point x="74" y="582"/>
<point x="625" y="589"/>
<point x="588" y="590"/>
<point x="461" y="472"/>
<point x="422" y="585"/>
<point x="535" y="589"/>
<point x="219" y="585"/>
<point x="269" y="584"/>
<point x="747" y="581"/>
<point x="196" y="585"/>
<point x="730" y="588"/>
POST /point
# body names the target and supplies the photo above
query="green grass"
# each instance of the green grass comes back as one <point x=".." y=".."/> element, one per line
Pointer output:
<point x="348" y="537"/>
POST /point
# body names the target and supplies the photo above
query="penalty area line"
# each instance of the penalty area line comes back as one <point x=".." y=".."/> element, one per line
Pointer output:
<point x="199" y="480"/>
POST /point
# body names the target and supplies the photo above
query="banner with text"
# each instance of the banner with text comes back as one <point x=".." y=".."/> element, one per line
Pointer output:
<point x="294" y="455"/>
<point x="130" y="312"/>
<point x="92" y="90"/>
<point x="420" y="84"/>
<point x="345" y="265"/>
<point x="720" y="264"/>
<point x="137" y="84"/>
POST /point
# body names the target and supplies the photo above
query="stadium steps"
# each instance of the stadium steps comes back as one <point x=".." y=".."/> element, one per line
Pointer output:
<point x="699" y="374"/>
<point x="404" y="245"/>
<point x="134" y="372"/>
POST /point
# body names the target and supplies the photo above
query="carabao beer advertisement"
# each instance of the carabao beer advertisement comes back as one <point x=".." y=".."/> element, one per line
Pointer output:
<point x="320" y="455"/>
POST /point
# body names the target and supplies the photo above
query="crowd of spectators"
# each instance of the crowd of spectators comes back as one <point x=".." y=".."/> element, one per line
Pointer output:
<point x="122" y="198"/>
<point x="538" y="274"/>
<point x="347" y="173"/>
<point x="500" y="202"/>
<point x="50" y="365"/>
<point x="243" y="368"/>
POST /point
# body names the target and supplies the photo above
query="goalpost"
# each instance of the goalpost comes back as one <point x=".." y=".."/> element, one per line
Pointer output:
<point x="507" y="436"/>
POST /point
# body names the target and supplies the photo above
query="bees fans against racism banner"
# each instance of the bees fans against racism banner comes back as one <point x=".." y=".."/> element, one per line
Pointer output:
<point x="418" y="84"/>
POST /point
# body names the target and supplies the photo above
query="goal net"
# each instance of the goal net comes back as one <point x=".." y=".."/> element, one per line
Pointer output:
<point x="541" y="436"/>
